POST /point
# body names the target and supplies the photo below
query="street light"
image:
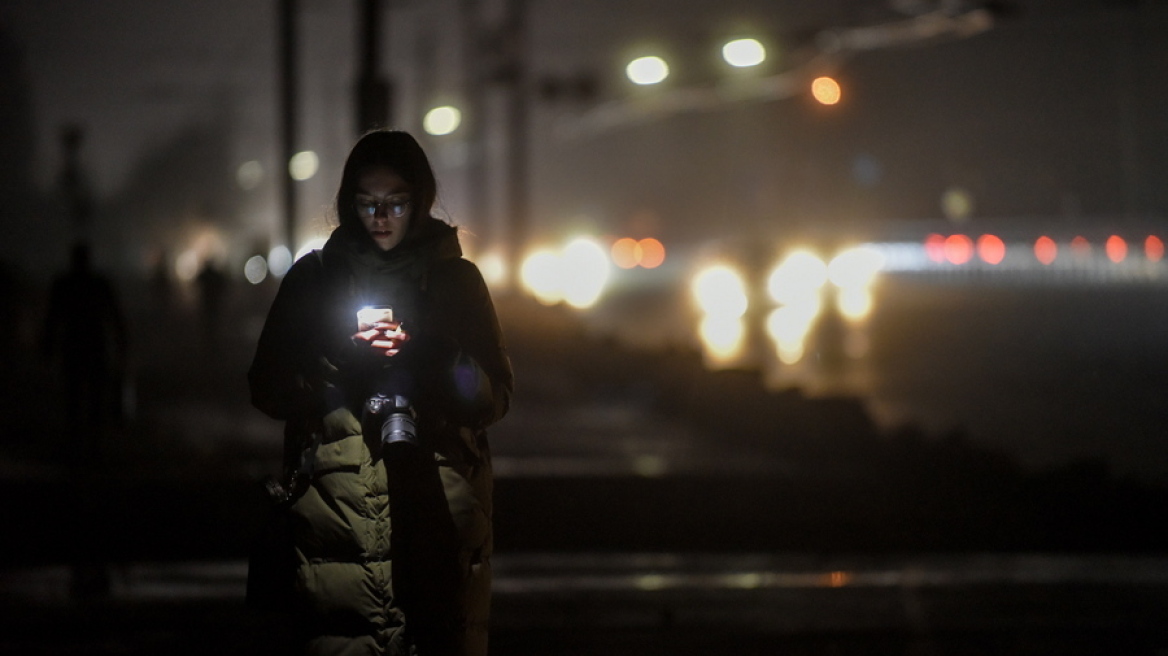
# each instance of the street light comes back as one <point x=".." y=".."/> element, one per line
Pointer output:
<point x="303" y="165"/>
<point x="442" y="120"/>
<point x="647" y="70"/>
<point x="826" y="90"/>
<point x="744" y="53"/>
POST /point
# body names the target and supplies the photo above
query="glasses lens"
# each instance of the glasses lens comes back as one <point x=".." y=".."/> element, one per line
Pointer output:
<point x="397" y="208"/>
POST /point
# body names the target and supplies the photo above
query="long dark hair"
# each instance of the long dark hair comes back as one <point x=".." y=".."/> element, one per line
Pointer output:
<point x="400" y="152"/>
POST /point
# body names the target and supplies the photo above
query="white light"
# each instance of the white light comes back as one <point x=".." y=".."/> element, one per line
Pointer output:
<point x="442" y="120"/>
<point x="279" y="261"/>
<point x="855" y="268"/>
<point x="720" y="291"/>
<point x="789" y="325"/>
<point x="309" y="246"/>
<point x="186" y="265"/>
<point x="255" y="269"/>
<point x="249" y="175"/>
<point x="723" y="337"/>
<point x="854" y="303"/>
<point x="799" y="274"/>
<point x="303" y="165"/>
<point x="743" y="53"/>
<point x="541" y="273"/>
<point x="586" y="267"/>
<point x="493" y="267"/>
<point x="647" y="70"/>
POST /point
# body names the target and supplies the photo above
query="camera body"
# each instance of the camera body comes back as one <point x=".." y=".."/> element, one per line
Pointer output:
<point x="398" y="424"/>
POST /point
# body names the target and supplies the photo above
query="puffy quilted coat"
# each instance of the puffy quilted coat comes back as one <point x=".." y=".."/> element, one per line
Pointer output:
<point x="393" y="544"/>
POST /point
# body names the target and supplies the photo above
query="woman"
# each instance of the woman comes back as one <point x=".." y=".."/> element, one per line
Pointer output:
<point x="393" y="535"/>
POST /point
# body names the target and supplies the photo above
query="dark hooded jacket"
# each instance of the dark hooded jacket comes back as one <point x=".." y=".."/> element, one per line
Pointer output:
<point x="393" y="544"/>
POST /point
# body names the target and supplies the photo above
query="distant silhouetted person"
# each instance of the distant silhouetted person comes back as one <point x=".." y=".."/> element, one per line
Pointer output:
<point x="85" y="339"/>
<point x="212" y="284"/>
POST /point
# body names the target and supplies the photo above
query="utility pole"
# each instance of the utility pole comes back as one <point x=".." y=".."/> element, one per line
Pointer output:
<point x="289" y="115"/>
<point x="518" y="130"/>
<point x="374" y="91"/>
<point x="473" y="127"/>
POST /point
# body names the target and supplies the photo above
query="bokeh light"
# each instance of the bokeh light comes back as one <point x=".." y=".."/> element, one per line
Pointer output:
<point x="493" y="266"/>
<point x="585" y="272"/>
<point x="935" y="248"/>
<point x="1081" y="247"/>
<point x="958" y="249"/>
<point x="743" y="53"/>
<point x="1116" y="248"/>
<point x="626" y="253"/>
<point x="789" y="325"/>
<point x="855" y="268"/>
<point x="647" y="70"/>
<point x="442" y="120"/>
<point x="279" y="261"/>
<point x="800" y="274"/>
<point x="1153" y="248"/>
<point x="303" y="165"/>
<point x="854" y="303"/>
<point x="249" y="175"/>
<point x="255" y="269"/>
<point x="722" y="336"/>
<point x="1045" y="250"/>
<point x="957" y="204"/>
<point x="652" y="253"/>
<point x="826" y="90"/>
<point x="720" y="291"/>
<point x="541" y="273"/>
<point x="991" y="249"/>
<point x="576" y="275"/>
<point x="186" y="265"/>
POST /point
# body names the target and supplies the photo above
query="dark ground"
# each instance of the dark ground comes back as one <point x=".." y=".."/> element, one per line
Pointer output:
<point x="848" y="521"/>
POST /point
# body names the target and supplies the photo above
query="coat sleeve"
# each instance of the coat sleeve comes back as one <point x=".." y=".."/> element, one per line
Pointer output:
<point x="477" y="378"/>
<point x="278" y="377"/>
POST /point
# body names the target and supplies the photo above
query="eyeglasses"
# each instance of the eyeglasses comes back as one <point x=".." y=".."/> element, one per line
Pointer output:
<point x="395" y="207"/>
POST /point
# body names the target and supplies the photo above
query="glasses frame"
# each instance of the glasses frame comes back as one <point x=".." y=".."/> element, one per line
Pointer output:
<point x="394" y="207"/>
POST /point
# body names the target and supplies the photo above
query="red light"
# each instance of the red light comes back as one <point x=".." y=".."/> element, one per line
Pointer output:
<point x="958" y="249"/>
<point x="1045" y="250"/>
<point x="935" y="248"/>
<point x="1116" y="248"/>
<point x="991" y="249"/>
<point x="1081" y="246"/>
<point x="652" y="253"/>
<point x="1154" y="248"/>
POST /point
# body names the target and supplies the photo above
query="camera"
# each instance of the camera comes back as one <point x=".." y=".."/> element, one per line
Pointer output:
<point x="397" y="418"/>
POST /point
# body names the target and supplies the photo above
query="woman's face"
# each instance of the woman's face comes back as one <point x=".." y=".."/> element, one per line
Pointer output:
<point x="383" y="203"/>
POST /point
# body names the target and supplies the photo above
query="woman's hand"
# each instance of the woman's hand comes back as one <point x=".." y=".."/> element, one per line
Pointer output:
<point x="384" y="336"/>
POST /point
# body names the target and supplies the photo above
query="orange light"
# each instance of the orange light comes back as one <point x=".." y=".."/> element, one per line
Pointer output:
<point x="1153" y="248"/>
<point x="1081" y="246"/>
<point x="958" y="249"/>
<point x="1116" y="248"/>
<point x="652" y="253"/>
<point x="626" y="253"/>
<point x="1045" y="250"/>
<point x="826" y="90"/>
<point x="935" y="248"/>
<point x="991" y="249"/>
